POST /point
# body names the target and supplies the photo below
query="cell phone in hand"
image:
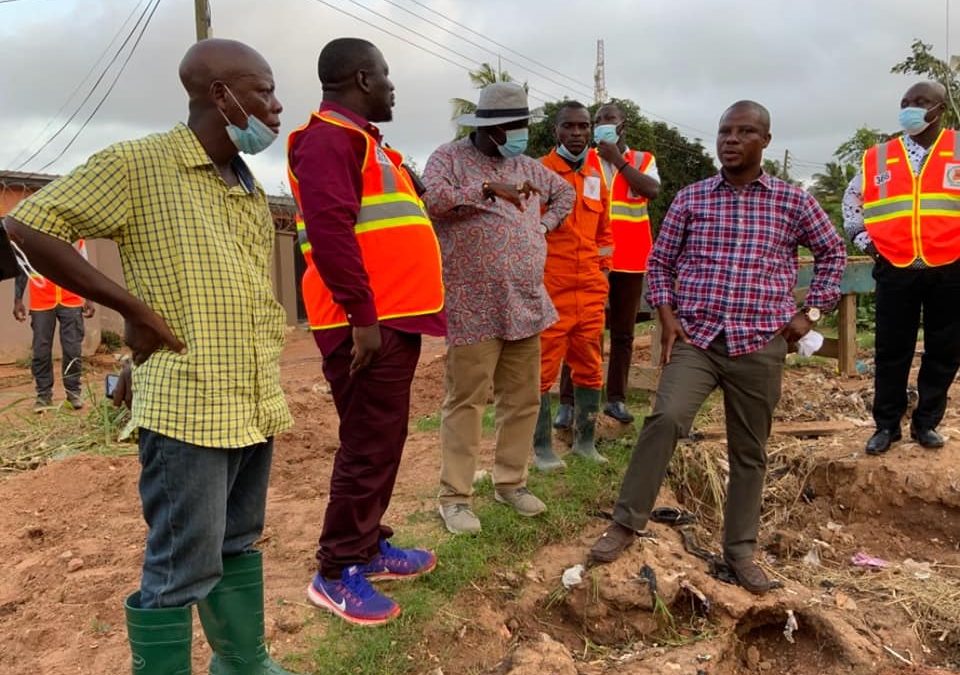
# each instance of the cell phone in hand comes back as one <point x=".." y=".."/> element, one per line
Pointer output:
<point x="110" y="384"/>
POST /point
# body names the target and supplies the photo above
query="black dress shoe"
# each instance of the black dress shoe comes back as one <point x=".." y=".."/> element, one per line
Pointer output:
<point x="928" y="438"/>
<point x="618" y="411"/>
<point x="880" y="442"/>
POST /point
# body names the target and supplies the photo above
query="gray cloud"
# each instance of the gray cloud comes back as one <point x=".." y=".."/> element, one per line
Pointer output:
<point x="821" y="67"/>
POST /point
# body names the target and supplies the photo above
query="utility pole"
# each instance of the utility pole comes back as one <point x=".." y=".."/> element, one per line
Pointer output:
<point x="786" y="164"/>
<point x="600" y="77"/>
<point x="202" y="10"/>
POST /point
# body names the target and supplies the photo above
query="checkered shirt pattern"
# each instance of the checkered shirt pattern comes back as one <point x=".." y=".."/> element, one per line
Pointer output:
<point x="726" y="260"/>
<point x="199" y="253"/>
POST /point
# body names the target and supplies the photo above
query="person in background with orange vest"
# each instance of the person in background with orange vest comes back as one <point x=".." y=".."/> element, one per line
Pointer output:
<point x="373" y="285"/>
<point x="631" y="178"/>
<point x="903" y="208"/>
<point x="578" y="260"/>
<point x="50" y="303"/>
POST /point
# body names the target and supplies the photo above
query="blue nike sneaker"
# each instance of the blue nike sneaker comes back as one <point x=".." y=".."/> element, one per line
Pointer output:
<point x="352" y="598"/>
<point x="398" y="563"/>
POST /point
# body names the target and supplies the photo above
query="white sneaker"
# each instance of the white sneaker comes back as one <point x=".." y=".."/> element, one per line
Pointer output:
<point x="459" y="519"/>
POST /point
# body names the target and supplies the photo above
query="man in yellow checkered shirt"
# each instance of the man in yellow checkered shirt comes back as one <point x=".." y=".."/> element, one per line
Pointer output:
<point x="196" y="239"/>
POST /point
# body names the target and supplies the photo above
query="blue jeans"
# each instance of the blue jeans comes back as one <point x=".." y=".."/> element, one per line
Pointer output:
<point x="201" y="505"/>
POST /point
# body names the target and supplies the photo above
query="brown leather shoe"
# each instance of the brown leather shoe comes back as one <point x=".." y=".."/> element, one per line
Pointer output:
<point x="750" y="575"/>
<point x="613" y="542"/>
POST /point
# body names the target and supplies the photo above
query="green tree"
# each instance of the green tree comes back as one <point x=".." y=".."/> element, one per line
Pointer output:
<point x="851" y="151"/>
<point x="680" y="161"/>
<point x="922" y="62"/>
<point x="479" y="78"/>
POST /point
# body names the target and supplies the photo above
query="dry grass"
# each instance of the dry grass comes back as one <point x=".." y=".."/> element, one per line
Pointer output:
<point x="933" y="604"/>
<point x="28" y="440"/>
<point x="699" y="472"/>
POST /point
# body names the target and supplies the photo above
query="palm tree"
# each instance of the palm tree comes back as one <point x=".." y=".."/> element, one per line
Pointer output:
<point x="480" y="78"/>
<point x="829" y="186"/>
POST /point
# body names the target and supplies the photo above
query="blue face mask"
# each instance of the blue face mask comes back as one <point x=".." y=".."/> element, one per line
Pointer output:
<point x="605" y="133"/>
<point x="257" y="137"/>
<point x="569" y="156"/>
<point x="515" y="144"/>
<point x="912" y="120"/>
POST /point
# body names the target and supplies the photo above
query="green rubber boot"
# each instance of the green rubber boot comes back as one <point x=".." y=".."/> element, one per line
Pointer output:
<point x="544" y="458"/>
<point x="587" y="405"/>
<point x="232" y="618"/>
<point x="159" y="638"/>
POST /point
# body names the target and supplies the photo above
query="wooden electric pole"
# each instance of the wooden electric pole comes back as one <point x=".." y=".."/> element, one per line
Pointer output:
<point x="202" y="10"/>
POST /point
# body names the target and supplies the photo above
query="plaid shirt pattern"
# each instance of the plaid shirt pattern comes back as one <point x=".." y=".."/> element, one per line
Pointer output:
<point x="199" y="253"/>
<point x="726" y="260"/>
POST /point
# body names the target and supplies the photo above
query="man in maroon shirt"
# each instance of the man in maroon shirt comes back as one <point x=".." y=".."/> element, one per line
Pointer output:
<point x="369" y="363"/>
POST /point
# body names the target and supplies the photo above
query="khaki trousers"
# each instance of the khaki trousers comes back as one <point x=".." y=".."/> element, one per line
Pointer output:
<point x="513" y="368"/>
<point x="751" y="391"/>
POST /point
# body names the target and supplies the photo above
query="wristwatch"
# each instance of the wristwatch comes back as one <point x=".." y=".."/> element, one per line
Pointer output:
<point x="812" y="313"/>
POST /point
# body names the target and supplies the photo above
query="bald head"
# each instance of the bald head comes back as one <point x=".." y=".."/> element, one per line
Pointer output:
<point x="340" y="59"/>
<point x="218" y="60"/>
<point x="931" y="91"/>
<point x="762" y="115"/>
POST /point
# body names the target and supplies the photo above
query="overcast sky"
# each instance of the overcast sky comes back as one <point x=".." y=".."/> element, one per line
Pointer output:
<point x="822" y="67"/>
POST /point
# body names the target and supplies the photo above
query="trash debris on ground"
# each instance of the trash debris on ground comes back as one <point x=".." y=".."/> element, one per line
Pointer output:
<point x="791" y="626"/>
<point x="919" y="570"/>
<point x="812" y="558"/>
<point x="669" y="515"/>
<point x="572" y="576"/>
<point x="862" y="559"/>
<point x="704" y="602"/>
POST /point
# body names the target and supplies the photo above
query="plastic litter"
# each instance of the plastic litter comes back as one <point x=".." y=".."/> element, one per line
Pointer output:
<point x="812" y="559"/>
<point x="919" y="570"/>
<point x="790" y="627"/>
<point x="572" y="576"/>
<point x="864" y="560"/>
<point x="810" y="343"/>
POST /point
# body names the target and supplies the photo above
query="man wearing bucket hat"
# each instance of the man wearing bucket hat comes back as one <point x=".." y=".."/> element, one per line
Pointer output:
<point x="491" y="206"/>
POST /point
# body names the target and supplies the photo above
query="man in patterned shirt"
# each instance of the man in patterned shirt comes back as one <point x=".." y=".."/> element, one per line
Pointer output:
<point x="492" y="206"/>
<point x="911" y="277"/>
<point x="196" y="241"/>
<point x="721" y="276"/>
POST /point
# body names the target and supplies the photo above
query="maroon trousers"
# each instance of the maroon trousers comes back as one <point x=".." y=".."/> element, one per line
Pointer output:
<point x="374" y="408"/>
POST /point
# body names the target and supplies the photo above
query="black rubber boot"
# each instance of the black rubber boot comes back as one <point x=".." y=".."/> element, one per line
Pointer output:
<point x="544" y="458"/>
<point x="587" y="405"/>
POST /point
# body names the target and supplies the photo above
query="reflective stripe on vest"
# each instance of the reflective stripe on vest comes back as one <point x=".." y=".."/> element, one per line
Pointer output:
<point x="629" y="216"/>
<point x="399" y="248"/>
<point x="913" y="216"/>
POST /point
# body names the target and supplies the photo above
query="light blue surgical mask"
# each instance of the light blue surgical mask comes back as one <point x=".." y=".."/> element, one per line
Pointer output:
<point x="913" y="120"/>
<point x="605" y="133"/>
<point x="257" y="137"/>
<point x="516" y="142"/>
<point x="569" y="156"/>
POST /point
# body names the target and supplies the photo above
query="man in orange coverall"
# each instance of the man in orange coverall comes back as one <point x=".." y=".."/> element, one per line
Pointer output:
<point x="578" y="259"/>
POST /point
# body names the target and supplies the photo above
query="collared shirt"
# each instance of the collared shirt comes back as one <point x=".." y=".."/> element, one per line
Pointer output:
<point x="199" y="253"/>
<point x="852" y="205"/>
<point x="328" y="163"/>
<point x="583" y="246"/>
<point x="732" y="254"/>
<point x="493" y="253"/>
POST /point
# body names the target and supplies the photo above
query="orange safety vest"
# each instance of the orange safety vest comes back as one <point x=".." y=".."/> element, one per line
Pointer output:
<point x="629" y="215"/>
<point x="399" y="248"/>
<point x="910" y="217"/>
<point x="46" y="295"/>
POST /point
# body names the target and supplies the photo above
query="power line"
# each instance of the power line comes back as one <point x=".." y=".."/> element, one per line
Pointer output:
<point x="479" y="46"/>
<point x="89" y="95"/>
<point x="79" y="86"/>
<point x="103" y="99"/>
<point x="434" y="42"/>
<point x="501" y="45"/>
<point x="403" y="39"/>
